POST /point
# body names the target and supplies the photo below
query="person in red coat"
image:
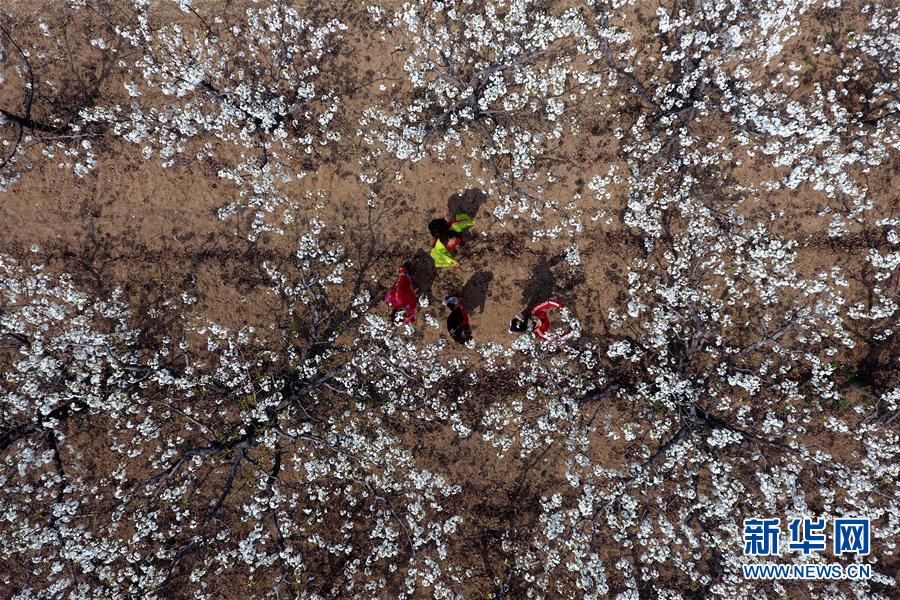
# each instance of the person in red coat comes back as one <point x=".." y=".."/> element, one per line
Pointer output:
<point x="402" y="296"/>
<point x="537" y="321"/>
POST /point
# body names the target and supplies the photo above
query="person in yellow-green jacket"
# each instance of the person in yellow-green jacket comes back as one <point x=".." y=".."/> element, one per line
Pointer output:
<point x="447" y="238"/>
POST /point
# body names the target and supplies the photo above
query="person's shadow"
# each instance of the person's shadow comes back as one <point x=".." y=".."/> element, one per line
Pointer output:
<point x="468" y="202"/>
<point x="475" y="291"/>
<point x="422" y="270"/>
<point x="542" y="284"/>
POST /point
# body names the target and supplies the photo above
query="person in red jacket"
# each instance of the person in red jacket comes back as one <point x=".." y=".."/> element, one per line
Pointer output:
<point x="458" y="321"/>
<point x="402" y="296"/>
<point x="537" y="320"/>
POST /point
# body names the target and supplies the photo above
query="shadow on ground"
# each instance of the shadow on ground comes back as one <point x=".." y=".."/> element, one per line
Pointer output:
<point x="469" y="202"/>
<point x="475" y="291"/>
<point x="422" y="270"/>
<point x="542" y="284"/>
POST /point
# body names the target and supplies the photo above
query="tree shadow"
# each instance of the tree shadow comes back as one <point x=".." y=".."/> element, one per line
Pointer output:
<point x="475" y="291"/>
<point x="469" y="202"/>
<point x="422" y="270"/>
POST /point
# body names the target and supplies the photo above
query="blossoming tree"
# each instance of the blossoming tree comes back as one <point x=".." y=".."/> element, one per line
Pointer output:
<point x="495" y="83"/>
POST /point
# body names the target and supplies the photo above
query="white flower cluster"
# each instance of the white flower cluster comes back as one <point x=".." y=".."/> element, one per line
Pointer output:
<point x="287" y="445"/>
<point x="492" y="81"/>
<point x="244" y="96"/>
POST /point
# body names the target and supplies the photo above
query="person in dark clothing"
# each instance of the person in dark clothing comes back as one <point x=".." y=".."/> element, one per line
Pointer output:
<point x="458" y="321"/>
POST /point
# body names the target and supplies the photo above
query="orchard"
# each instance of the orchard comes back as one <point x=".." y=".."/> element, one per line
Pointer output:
<point x="448" y="299"/>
